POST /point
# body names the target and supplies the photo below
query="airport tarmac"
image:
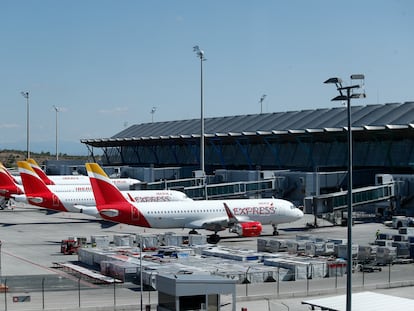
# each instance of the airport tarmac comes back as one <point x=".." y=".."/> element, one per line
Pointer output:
<point x="31" y="245"/>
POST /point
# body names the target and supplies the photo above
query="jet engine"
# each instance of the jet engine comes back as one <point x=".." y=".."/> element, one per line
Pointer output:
<point x="248" y="229"/>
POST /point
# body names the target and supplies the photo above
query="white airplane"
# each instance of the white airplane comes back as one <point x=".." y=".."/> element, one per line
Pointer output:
<point x="11" y="189"/>
<point x="12" y="185"/>
<point x="121" y="183"/>
<point x="244" y="217"/>
<point x="39" y="194"/>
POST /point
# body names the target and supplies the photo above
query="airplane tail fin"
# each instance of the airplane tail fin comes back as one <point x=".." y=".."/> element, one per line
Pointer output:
<point x="6" y="171"/>
<point x="7" y="184"/>
<point x="5" y="178"/>
<point x="110" y="202"/>
<point x="36" y="168"/>
<point x="104" y="190"/>
<point x="32" y="183"/>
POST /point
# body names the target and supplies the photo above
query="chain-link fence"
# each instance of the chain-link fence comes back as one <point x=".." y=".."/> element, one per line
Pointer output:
<point x="54" y="292"/>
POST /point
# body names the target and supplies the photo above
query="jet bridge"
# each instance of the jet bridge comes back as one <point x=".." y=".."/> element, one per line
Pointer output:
<point x="338" y="201"/>
<point x="197" y="189"/>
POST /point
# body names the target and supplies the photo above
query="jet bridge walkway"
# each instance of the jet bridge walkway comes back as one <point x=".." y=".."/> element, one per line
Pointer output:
<point x="196" y="189"/>
<point x="338" y="201"/>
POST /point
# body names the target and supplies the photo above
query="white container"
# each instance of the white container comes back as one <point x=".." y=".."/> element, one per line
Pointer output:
<point x="100" y="241"/>
<point x="123" y="240"/>
<point x="386" y="255"/>
<point x="342" y="250"/>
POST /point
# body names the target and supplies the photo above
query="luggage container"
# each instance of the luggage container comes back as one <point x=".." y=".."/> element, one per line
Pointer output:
<point x="294" y="247"/>
<point x="385" y="236"/>
<point x="100" y="241"/>
<point x="365" y="253"/>
<point x="336" y="268"/>
<point x="406" y="231"/>
<point x="386" y="255"/>
<point x="123" y="240"/>
<point x="400" y="238"/>
<point x="341" y="251"/>
<point x="338" y="241"/>
<point x="403" y="249"/>
<point x="319" y="248"/>
<point x="173" y="239"/>
<point x="197" y="239"/>
<point x="150" y="242"/>
<point x="384" y="243"/>
<point x="277" y="245"/>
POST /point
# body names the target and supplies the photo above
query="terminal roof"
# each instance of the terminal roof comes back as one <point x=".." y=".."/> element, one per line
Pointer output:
<point x="389" y="116"/>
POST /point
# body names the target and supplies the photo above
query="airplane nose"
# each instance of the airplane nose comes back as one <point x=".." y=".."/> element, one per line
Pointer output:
<point x="299" y="213"/>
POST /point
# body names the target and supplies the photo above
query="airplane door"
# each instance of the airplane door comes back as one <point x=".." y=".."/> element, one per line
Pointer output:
<point x="55" y="200"/>
<point x="134" y="213"/>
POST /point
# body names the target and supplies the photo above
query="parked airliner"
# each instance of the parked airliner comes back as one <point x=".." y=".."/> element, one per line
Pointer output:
<point x="244" y="217"/>
<point x="39" y="194"/>
<point x="10" y="188"/>
<point x="121" y="183"/>
<point x="12" y="185"/>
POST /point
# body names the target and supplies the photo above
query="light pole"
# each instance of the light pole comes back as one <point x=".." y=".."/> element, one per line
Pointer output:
<point x="152" y="113"/>
<point x="200" y="54"/>
<point x="0" y="263"/>
<point x="56" y="111"/>
<point x="26" y="95"/>
<point x="342" y="97"/>
<point x="141" y="282"/>
<point x="261" y="102"/>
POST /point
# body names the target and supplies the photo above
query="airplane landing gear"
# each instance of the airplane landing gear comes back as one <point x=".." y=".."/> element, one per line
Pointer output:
<point x="4" y="204"/>
<point x="275" y="232"/>
<point x="213" y="239"/>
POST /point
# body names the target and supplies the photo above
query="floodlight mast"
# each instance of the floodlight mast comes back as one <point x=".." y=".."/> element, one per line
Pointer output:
<point x="261" y="102"/>
<point x="26" y="95"/>
<point x="347" y="97"/>
<point x="200" y="54"/>
<point x="56" y="147"/>
<point x="152" y="113"/>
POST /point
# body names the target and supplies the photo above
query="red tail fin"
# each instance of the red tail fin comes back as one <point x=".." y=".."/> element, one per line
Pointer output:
<point x="7" y="184"/>
<point x="37" y="169"/>
<point x="110" y="202"/>
<point x="37" y="193"/>
<point x="8" y="173"/>
<point x="104" y="190"/>
<point x="32" y="183"/>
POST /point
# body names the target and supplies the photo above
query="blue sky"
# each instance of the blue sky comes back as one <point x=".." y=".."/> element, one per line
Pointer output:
<point x="105" y="64"/>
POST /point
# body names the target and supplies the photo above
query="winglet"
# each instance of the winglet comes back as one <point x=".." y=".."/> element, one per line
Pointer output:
<point x="40" y="172"/>
<point x="131" y="198"/>
<point x="230" y="215"/>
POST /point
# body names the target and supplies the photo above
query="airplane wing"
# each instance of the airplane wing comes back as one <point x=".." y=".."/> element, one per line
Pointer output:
<point x="87" y="210"/>
<point x="219" y="223"/>
<point x="92" y="211"/>
<point x="212" y="224"/>
<point x="107" y="224"/>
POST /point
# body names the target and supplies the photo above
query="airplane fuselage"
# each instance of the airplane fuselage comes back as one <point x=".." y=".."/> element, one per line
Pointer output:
<point x="203" y="214"/>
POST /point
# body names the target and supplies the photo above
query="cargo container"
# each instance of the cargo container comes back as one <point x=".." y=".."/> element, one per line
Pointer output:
<point x="406" y="231"/>
<point x="386" y="255"/>
<point x="341" y="251"/>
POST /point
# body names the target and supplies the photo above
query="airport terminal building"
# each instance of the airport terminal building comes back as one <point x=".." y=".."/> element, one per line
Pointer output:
<point x="303" y="152"/>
